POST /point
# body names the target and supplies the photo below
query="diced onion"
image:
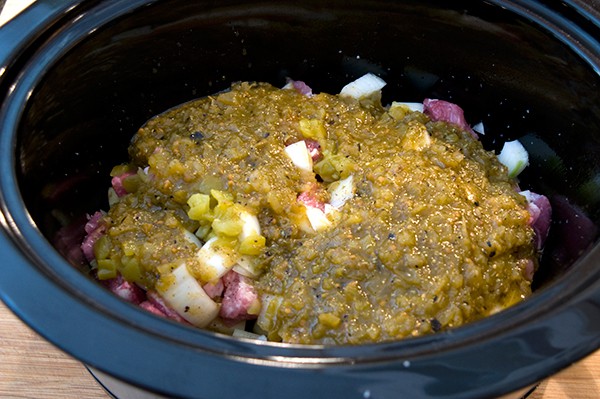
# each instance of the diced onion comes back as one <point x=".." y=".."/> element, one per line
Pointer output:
<point x="530" y="196"/>
<point x="187" y="297"/>
<point x="479" y="128"/>
<point x="268" y="312"/>
<point x="527" y="194"/>
<point x="113" y="198"/>
<point x="341" y="191"/>
<point x="220" y="326"/>
<point x="300" y="156"/>
<point x="250" y="225"/>
<point x="214" y="261"/>
<point x="364" y="86"/>
<point x="317" y="218"/>
<point x="514" y="156"/>
<point x="247" y="334"/>
<point x="247" y="266"/>
<point x="192" y="238"/>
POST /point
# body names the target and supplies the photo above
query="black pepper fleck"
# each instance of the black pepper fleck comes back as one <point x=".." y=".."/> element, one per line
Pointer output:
<point x="435" y="324"/>
<point x="197" y="136"/>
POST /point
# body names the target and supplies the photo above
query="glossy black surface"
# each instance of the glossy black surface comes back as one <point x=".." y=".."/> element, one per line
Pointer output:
<point x="80" y="78"/>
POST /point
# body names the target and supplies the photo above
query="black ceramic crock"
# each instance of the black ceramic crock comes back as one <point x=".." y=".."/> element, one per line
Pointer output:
<point x="77" y="78"/>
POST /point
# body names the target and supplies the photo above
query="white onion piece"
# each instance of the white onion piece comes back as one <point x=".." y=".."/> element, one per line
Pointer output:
<point x="113" y="198"/>
<point x="268" y="311"/>
<point x="192" y="238"/>
<point x="415" y="107"/>
<point x="330" y="209"/>
<point x="341" y="191"/>
<point x="317" y="218"/>
<point x="248" y="335"/>
<point x="214" y="262"/>
<point x="514" y="156"/>
<point x="364" y="86"/>
<point x="187" y="297"/>
<point x="250" y="225"/>
<point x="529" y="196"/>
<point x="479" y="128"/>
<point x="247" y="266"/>
<point x="300" y="156"/>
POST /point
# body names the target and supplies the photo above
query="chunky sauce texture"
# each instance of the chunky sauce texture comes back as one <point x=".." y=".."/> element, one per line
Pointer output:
<point x="433" y="234"/>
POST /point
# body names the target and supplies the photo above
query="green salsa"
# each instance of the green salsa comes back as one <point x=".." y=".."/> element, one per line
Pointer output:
<point x="400" y="226"/>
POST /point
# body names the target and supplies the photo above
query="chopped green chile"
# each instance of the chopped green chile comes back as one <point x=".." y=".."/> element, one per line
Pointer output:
<point x="430" y="234"/>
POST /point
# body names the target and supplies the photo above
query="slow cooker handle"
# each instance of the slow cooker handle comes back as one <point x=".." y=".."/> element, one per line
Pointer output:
<point x="26" y="27"/>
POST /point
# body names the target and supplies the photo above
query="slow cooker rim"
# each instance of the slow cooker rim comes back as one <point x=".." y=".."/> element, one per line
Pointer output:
<point x="20" y="226"/>
<point x="579" y="40"/>
<point x="25" y="223"/>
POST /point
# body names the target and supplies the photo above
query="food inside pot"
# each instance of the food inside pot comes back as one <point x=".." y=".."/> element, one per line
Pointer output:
<point x="286" y="215"/>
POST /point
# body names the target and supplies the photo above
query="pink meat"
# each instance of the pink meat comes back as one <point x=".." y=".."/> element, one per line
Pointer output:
<point x="440" y="110"/>
<point x="540" y="212"/>
<point x="117" y="183"/>
<point x="159" y="303"/>
<point x="239" y="296"/>
<point x="148" y="306"/>
<point x="314" y="149"/>
<point x="529" y="269"/>
<point x="214" y="290"/>
<point x="94" y="229"/>
<point x="309" y="199"/>
<point x="93" y="222"/>
<point x="301" y="87"/>
<point x="126" y="290"/>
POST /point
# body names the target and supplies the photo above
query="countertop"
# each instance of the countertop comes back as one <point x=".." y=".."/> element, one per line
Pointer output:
<point x="30" y="367"/>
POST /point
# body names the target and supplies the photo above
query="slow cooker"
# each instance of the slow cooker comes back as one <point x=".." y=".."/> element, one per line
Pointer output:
<point x="78" y="77"/>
